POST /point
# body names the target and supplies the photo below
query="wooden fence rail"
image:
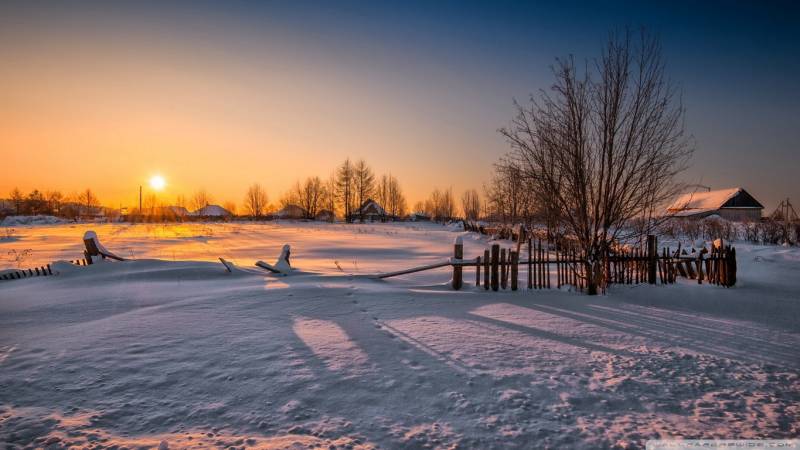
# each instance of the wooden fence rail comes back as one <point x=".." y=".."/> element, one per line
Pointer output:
<point x="41" y="271"/>
<point x="552" y="266"/>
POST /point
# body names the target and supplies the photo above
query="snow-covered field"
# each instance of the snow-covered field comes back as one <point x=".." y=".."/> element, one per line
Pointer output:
<point x="171" y="350"/>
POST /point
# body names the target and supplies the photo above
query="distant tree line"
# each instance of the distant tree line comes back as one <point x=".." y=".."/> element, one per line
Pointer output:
<point x="53" y="203"/>
<point x="348" y="188"/>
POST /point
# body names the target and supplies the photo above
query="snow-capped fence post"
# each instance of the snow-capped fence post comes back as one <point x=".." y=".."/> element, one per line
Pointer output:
<point x="514" y="270"/>
<point x="495" y="267"/>
<point x="458" y="256"/>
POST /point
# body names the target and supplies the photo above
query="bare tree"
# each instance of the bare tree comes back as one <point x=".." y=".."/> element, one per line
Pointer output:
<point x="390" y="196"/>
<point x="364" y="184"/>
<point x="382" y="191"/>
<point x="180" y="201"/>
<point x="152" y="206"/>
<point x="345" y="188"/>
<point x="396" y="201"/>
<point x="230" y="206"/>
<point x="604" y="148"/>
<point x="200" y="199"/>
<point x="17" y="197"/>
<point x="507" y="198"/>
<point x="310" y="195"/>
<point x="329" y="197"/>
<point x="441" y="205"/>
<point x="471" y="204"/>
<point x="420" y="207"/>
<point x="35" y="203"/>
<point x="54" y="200"/>
<point x="255" y="201"/>
<point x="88" y="200"/>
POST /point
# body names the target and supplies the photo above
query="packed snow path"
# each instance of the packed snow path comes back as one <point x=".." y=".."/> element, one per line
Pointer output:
<point x="182" y="353"/>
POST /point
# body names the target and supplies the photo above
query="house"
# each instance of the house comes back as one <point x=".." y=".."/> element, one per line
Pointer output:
<point x="419" y="217"/>
<point x="214" y="211"/>
<point x="732" y="204"/>
<point x="370" y="211"/>
<point x="325" y="215"/>
<point x="291" y="211"/>
<point x="176" y="211"/>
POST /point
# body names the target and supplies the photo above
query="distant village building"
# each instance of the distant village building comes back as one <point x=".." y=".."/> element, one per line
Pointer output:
<point x="731" y="204"/>
<point x="370" y="211"/>
<point x="212" y="211"/>
<point x="326" y="215"/>
<point x="177" y="211"/>
<point x="291" y="211"/>
<point x="419" y="217"/>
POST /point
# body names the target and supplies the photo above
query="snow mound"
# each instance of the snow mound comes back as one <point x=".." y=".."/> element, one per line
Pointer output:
<point x="11" y="221"/>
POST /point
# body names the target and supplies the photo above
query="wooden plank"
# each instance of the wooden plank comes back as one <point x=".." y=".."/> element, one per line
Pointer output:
<point x="514" y="270"/>
<point x="558" y="268"/>
<point x="547" y="264"/>
<point x="478" y="271"/>
<point x="486" y="269"/>
<point x="530" y="264"/>
<point x="458" y="254"/>
<point x="699" y="266"/>
<point x="495" y="267"/>
<point x="503" y="269"/>
<point x="389" y="274"/>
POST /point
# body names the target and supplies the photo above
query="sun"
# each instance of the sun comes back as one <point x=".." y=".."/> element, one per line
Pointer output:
<point x="157" y="182"/>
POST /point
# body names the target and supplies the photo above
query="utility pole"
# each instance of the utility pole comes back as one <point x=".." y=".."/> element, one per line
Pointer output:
<point x="140" y="199"/>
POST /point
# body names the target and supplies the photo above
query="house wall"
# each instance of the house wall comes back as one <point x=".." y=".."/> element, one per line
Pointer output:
<point x="740" y="214"/>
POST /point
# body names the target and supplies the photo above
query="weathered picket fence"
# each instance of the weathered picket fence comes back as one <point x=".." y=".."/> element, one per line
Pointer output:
<point x="41" y="271"/>
<point x="550" y="265"/>
<point x="26" y="273"/>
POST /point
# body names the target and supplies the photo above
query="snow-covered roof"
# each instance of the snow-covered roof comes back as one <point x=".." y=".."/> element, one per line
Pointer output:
<point x="371" y="203"/>
<point x="178" y="210"/>
<point x="702" y="202"/>
<point x="291" y="211"/>
<point x="212" y="211"/>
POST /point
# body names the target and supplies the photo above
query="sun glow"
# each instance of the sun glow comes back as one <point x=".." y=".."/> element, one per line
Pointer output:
<point x="157" y="182"/>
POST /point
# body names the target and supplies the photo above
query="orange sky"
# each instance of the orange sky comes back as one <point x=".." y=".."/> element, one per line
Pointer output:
<point x="220" y="95"/>
<point x="78" y="112"/>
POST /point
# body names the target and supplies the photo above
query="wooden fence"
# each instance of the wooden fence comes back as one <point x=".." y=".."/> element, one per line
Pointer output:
<point x="26" y="273"/>
<point x="550" y="266"/>
<point x="41" y="271"/>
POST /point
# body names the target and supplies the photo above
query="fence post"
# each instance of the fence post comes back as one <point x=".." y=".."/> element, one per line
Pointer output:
<point x="547" y="264"/>
<point x="530" y="264"/>
<point x="514" y="270"/>
<point x="458" y="255"/>
<point x="699" y="266"/>
<point x="486" y="269"/>
<point x="503" y="269"/>
<point x="495" y="267"/>
<point x="478" y="271"/>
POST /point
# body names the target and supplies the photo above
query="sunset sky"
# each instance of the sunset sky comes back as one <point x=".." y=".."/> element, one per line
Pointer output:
<point x="222" y="94"/>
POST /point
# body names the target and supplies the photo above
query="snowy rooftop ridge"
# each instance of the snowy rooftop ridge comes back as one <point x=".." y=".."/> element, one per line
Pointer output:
<point x="212" y="211"/>
<point x="703" y="201"/>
